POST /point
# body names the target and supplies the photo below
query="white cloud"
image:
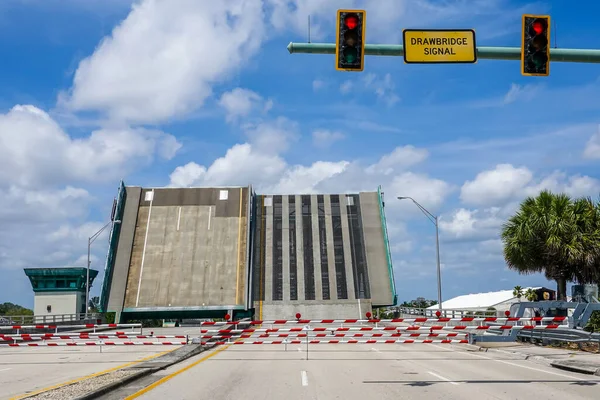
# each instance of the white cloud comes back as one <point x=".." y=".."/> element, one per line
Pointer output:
<point x="22" y="206"/>
<point x="382" y="87"/>
<point x="346" y="87"/>
<point x="241" y="165"/>
<point x="505" y="183"/>
<point x="495" y="186"/>
<point x="324" y="138"/>
<point x="40" y="227"/>
<point x="318" y="84"/>
<point x="386" y="18"/>
<point x="429" y="192"/>
<point x="270" y="173"/>
<point x="592" y="147"/>
<point x="520" y="92"/>
<point x="162" y="60"/>
<point x="272" y="137"/>
<point x="35" y="151"/>
<point x="400" y="158"/>
<point x="241" y="102"/>
<point x="473" y="224"/>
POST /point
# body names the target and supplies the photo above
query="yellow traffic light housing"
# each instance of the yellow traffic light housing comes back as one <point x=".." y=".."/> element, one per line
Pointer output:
<point x="350" y="40"/>
<point x="535" y="46"/>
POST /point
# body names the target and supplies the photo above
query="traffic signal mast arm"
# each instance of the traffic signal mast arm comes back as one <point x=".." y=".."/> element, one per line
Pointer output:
<point x="489" y="53"/>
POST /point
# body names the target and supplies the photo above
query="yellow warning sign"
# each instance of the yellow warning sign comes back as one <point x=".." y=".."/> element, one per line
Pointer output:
<point x="431" y="46"/>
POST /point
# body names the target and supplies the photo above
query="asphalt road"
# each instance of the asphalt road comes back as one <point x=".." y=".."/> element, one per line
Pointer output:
<point x="29" y="369"/>
<point x="364" y="371"/>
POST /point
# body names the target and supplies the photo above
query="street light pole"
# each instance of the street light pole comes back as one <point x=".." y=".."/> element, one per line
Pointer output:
<point x="91" y="240"/>
<point x="434" y="220"/>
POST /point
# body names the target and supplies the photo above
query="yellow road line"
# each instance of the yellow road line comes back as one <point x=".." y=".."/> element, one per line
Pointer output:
<point x="237" y="274"/>
<point x="23" y="396"/>
<point x="174" y="374"/>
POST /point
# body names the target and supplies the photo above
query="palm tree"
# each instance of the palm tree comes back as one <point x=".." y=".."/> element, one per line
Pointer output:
<point x="518" y="292"/>
<point x="587" y="220"/>
<point x="544" y="236"/>
<point x="531" y="295"/>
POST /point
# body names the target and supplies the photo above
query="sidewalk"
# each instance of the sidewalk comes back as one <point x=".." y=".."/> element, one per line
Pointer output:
<point x="572" y="360"/>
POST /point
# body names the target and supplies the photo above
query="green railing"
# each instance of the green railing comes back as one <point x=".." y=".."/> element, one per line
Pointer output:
<point x="112" y="248"/>
<point x="387" y="245"/>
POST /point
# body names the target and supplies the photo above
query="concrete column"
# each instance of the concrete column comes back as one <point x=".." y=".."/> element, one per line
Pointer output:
<point x="347" y="248"/>
<point x="285" y="254"/>
<point x="269" y="252"/>
<point x="299" y="250"/>
<point x="330" y="250"/>
<point x="316" y="249"/>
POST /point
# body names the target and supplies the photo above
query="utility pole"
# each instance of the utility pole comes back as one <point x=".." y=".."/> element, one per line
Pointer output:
<point x="91" y="240"/>
<point x="434" y="220"/>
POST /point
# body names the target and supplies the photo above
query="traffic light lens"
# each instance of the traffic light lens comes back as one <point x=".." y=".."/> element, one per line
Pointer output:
<point x="350" y="38"/>
<point x="539" y="59"/>
<point x="538" y="27"/>
<point x="351" y="21"/>
<point x="350" y="55"/>
<point x="539" y="42"/>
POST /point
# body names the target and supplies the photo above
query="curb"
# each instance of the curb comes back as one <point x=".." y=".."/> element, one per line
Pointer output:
<point x="150" y="370"/>
<point x="548" y="362"/>
<point x="472" y="347"/>
<point x="115" y="385"/>
<point x="143" y="373"/>
<point x="574" y="368"/>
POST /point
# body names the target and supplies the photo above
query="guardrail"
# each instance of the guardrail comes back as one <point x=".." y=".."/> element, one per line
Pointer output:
<point x="45" y="319"/>
<point x="446" y="313"/>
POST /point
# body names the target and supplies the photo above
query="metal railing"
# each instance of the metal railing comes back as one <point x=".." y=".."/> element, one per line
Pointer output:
<point x="45" y="319"/>
<point x="424" y="312"/>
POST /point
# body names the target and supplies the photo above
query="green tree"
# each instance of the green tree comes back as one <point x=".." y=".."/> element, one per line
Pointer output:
<point x="10" y="309"/>
<point x="518" y="292"/>
<point x="594" y="322"/>
<point x="554" y="235"/>
<point x="531" y="295"/>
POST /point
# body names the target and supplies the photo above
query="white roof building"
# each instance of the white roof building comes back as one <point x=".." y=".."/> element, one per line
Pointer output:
<point x="501" y="301"/>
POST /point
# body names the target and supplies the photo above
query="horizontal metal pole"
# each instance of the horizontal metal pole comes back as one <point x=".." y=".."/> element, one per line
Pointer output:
<point x="490" y="53"/>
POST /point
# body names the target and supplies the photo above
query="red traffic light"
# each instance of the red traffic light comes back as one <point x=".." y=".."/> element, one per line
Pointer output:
<point x="227" y="317"/>
<point x="538" y="26"/>
<point x="369" y="315"/>
<point x="298" y="315"/>
<point x="351" y="21"/>
<point x="438" y="314"/>
<point x="507" y="313"/>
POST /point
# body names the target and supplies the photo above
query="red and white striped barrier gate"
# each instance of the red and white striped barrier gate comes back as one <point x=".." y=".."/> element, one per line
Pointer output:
<point x="81" y="326"/>
<point x="386" y="328"/>
<point x="99" y="343"/>
<point x="319" y="335"/>
<point x="49" y="336"/>
<point x="393" y="321"/>
<point x="343" y="342"/>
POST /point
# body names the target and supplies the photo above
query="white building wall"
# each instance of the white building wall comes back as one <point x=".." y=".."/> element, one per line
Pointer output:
<point x="505" y="305"/>
<point x="60" y="302"/>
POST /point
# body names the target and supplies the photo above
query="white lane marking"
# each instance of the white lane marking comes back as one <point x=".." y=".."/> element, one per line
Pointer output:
<point x="442" y="347"/>
<point x="304" y="378"/>
<point x="374" y="349"/>
<point x="178" y="219"/>
<point x="442" y="378"/>
<point x="209" y="216"/>
<point x="5" y="369"/>
<point x="526" y="367"/>
<point x="299" y="349"/>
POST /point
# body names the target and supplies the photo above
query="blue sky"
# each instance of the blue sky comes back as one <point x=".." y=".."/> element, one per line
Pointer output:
<point x="191" y="93"/>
